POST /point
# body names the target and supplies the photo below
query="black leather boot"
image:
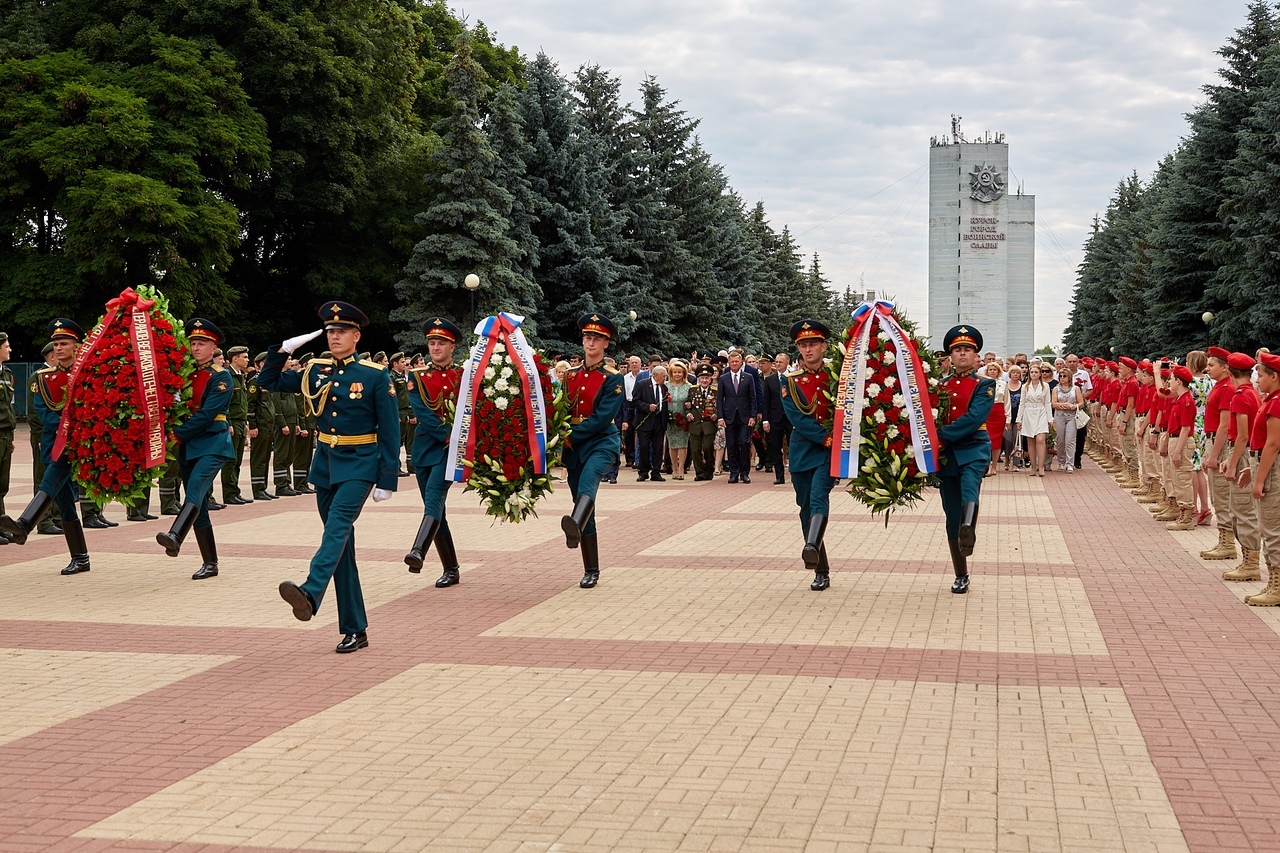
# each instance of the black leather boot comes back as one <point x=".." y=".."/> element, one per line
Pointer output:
<point x="421" y="542"/>
<point x="590" y="561"/>
<point x="74" y="534"/>
<point x="812" y="552"/>
<point x="961" y="585"/>
<point x="968" y="524"/>
<point x="172" y="540"/>
<point x="448" y="557"/>
<point x="208" y="554"/>
<point x="572" y="524"/>
<point x="822" y="574"/>
<point x="19" y="527"/>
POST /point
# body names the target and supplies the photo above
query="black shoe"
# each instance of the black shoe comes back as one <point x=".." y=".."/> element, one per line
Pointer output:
<point x="733" y="478"/>
<point x="658" y="478"/>
<point x="4" y="538"/>
<point x="137" y="518"/>
<point x="400" y="474"/>
<point x="960" y="585"/>
<point x="700" y="478"/>
<point x="760" y="466"/>
<point x="271" y="497"/>
<point x="262" y="496"/>
<point x="353" y="642"/>
<point x="287" y="492"/>
<point x="778" y="481"/>
<point x="768" y="469"/>
<point x="304" y="489"/>
<point x="968" y="521"/>
<point x="746" y="478"/>
<point x="614" y="479"/>
<point x="171" y="540"/>
<point x="214" y="507"/>
<point x="820" y="582"/>
<point x="74" y="532"/>
<point x="208" y="570"/>
<point x="449" y="578"/>
<point x="208" y="554"/>
<point x="168" y="512"/>
<point x="51" y="530"/>
<point x="79" y="563"/>
<point x="589" y="580"/>
<point x="303" y="607"/>
<point x="151" y="517"/>
<point x="961" y="566"/>
<point x="642" y="478"/>
<point x="95" y="523"/>
<point x="108" y="521"/>
<point x="421" y="542"/>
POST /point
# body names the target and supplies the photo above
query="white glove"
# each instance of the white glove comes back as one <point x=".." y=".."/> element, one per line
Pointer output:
<point x="293" y="343"/>
<point x="380" y="495"/>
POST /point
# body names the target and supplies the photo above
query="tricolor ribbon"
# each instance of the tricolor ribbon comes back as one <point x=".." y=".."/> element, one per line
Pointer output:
<point x="503" y="328"/>
<point x="851" y="393"/>
<point x="131" y="308"/>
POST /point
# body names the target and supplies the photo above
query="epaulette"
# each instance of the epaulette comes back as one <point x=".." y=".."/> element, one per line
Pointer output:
<point x="47" y="370"/>
<point x="795" y="370"/>
<point x="610" y="370"/>
<point x="368" y="362"/>
<point x="216" y="368"/>
<point x="574" y="369"/>
<point x="320" y="361"/>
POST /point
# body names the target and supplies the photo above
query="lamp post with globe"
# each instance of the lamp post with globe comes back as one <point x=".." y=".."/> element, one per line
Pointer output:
<point x="472" y="284"/>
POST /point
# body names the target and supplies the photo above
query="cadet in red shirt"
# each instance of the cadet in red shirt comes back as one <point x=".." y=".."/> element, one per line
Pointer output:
<point x="1179" y="447"/>
<point x="1264" y="444"/>
<point x="1244" y="518"/>
<point x="1217" y="414"/>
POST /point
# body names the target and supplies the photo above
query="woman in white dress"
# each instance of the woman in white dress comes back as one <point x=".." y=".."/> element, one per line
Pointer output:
<point x="1033" y="415"/>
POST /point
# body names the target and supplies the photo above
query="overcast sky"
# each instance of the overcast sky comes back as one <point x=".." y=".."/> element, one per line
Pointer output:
<point x="824" y="109"/>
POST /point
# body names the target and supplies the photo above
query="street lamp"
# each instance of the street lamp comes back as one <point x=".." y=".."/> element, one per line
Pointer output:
<point x="472" y="283"/>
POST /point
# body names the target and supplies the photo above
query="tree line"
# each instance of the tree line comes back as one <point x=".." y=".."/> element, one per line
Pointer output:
<point x="256" y="158"/>
<point x="1202" y="236"/>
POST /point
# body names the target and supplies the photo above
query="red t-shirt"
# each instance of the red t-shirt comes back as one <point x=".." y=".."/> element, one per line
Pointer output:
<point x="1270" y="408"/>
<point x="1182" y="413"/>
<point x="1129" y="388"/>
<point x="1159" y="409"/>
<point x="1244" y="402"/>
<point x="1145" y="395"/>
<point x="1219" y="398"/>
<point x="1111" y="393"/>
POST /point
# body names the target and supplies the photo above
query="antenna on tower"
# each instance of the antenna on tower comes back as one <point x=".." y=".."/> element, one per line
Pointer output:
<point x="956" y="135"/>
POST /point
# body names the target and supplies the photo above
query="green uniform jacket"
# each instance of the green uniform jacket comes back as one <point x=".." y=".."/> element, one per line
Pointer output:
<point x="262" y="410"/>
<point x="238" y="411"/>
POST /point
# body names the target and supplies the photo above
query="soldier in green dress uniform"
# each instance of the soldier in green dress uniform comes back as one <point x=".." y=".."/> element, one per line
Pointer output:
<point x="965" y="449"/>
<point x="8" y="423"/>
<point x="304" y="438"/>
<point x="702" y="427"/>
<point x="400" y="376"/>
<point x="807" y="398"/>
<point x="262" y="426"/>
<point x="238" y="419"/>
<point x="51" y="524"/>
<point x="358" y="429"/>
<point x="286" y="426"/>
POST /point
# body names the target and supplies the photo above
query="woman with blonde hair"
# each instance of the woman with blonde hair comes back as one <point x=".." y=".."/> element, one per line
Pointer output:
<point x="678" y="426"/>
<point x="1033" y="414"/>
<point x="1067" y="400"/>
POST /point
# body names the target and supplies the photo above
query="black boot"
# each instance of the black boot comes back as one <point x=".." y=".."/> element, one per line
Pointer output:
<point x="572" y="524"/>
<point x="172" y="540"/>
<point x="813" y="541"/>
<point x="74" y="533"/>
<point x="590" y="561"/>
<point x="822" y="573"/>
<point x="421" y="542"/>
<point x="448" y="557"/>
<point x="208" y="554"/>
<point x="19" y="527"/>
<point x="968" y="522"/>
<point x="961" y="585"/>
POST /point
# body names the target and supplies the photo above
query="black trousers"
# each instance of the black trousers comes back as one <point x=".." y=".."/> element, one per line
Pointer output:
<point x="649" y="441"/>
<point x="778" y="435"/>
<point x="737" y="443"/>
<point x="1081" y="434"/>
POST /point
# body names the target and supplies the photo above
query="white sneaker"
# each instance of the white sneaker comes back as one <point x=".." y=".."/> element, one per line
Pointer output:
<point x="1070" y="468"/>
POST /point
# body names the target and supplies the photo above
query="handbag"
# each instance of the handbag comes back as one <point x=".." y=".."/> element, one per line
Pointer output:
<point x="1082" y="419"/>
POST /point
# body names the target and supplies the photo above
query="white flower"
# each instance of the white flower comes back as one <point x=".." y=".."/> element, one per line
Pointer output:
<point x="489" y="373"/>
<point x="879" y="416"/>
<point x="500" y="385"/>
<point x="499" y="360"/>
<point x="892" y="432"/>
<point x="888" y="357"/>
<point x="899" y="401"/>
<point x="500" y="403"/>
<point x="514" y="389"/>
<point x="933" y="383"/>
<point x="499" y="347"/>
<point x="505" y="373"/>
<point x="873" y="389"/>
<point x="935" y="412"/>
<point x="890" y="381"/>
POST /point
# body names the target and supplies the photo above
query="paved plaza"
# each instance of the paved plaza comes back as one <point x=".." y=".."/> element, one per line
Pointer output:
<point x="1100" y="688"/>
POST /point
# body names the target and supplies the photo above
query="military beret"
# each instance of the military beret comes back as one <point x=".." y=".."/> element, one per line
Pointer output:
<point x="4" y="336"/>
<point x="441" y="327"/>
<point x="235" y="351"/>
<point x="1184" y="373"/>
<point x="339" y="315"/>
<point x="809" y="330"/>
<point x="1240" y="361"/>
<point x="962" y="336"/>
<point x="1113" y="367"/>
<point x="597" y="324"/>
<point x="379" y="355"/>
<point x="1219" y="353"/>
<point x="262" y="356"/>
<point x="1086" y="362"/>
<point x="364" y="356"/>
<point x="1146" y="366"/>
<point x="199" y="327"/>
<point x="305" y="357"/>
<point x="1128" y="362"/>
<point x="47" y="348"/>
<point x="61" y="327"/>
<point x="1270" y="360"/>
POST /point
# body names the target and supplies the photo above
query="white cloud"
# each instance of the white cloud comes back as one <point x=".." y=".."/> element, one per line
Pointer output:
<point x="815" y="105"/>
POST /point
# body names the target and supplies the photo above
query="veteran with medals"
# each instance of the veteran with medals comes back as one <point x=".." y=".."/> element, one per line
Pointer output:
<point x="204" y="447"/>
<point x="702" y="423"/>
<point x="965" y="448"/>
<point x="807" y="399"/>
<point x="49" y="397"/>
<point x="595" y="394"/>
<point x="431" y="391"/>
<point x="358" y="430"/>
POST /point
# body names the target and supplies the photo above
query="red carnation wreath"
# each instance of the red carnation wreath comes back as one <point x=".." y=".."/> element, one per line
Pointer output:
<point x="125" y="397"/>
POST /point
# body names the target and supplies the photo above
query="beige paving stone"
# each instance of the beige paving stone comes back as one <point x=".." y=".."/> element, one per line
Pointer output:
<point x="141" y="588"/>
<point x="995" y="501"/>
<point x="875" y="609"/>
<point x="611" y="760"/>
<point x="907" y="533"/>
<point x="43" y="688"/>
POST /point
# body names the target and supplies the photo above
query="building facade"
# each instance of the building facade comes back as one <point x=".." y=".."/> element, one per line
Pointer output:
<point x="981" y="245"/>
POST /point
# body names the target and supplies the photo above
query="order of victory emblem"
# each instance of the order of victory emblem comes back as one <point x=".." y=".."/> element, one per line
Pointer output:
<point x="985" y="184"/>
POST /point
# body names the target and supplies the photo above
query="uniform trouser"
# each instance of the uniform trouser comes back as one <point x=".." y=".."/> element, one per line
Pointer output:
<point x="197" y="480"/>
<point x="1065" y="425"/>
<point x="1268" y="515"/>
<point x="54" y="515"/>
<point x="1244" y="510"/>
<point x="57" y="483"/>
<point x="586" y="470"/>
<point x="778" y="435"/>
<point x="406" y="438"/>
<point x="435" y="489"/>
<point x="6" y="463"/>
<point x="959" y="488"/>
<point x="260" y="460"/>
<point x="702" y="448"/>
<point x="1220" y="493"/>
<point x="1128" y="444"/>
<point x="282" y="462"/>
<point x="813" y="493"/>
<point x="303" y="453"/>
<point x="1181" y="474"/>
<point x="737" y="443"/>
<point x="1140" y="447"/>
<point x="170" y="494"/>
<point x="340" y="506"/>
<point x="231" y="470"/>
<point x="1082" y="436"/>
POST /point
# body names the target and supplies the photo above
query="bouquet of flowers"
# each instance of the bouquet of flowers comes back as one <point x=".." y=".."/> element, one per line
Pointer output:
<point x="508" y="438"/>
<point x="124" y="397"/>
<point x="890" y="451"/>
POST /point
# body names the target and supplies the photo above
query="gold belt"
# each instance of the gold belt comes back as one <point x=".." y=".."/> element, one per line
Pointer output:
<point x="576" y="421"/>
<point x="220" y="417"/>
<point x="343" y="440"/>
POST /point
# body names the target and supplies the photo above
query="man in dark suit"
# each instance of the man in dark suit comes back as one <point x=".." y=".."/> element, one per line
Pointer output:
<point x="737" y="408"/>
<point x="629" y="379"/>
<point x="776" y="426"/>
<point x="650" y="411"/>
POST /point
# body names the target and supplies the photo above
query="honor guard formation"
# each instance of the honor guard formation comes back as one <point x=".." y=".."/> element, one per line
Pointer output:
<point x="1196" y="441"/>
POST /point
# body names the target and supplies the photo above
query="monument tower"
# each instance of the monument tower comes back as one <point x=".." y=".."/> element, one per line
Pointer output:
<point x="981" y="243"/>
